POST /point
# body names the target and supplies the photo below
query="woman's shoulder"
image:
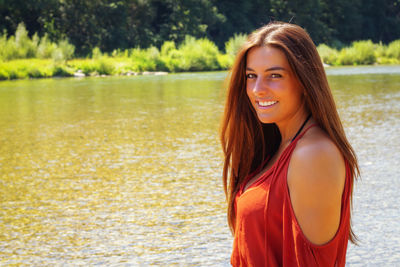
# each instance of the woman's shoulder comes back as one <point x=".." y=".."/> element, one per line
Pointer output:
<point x="316" y="147"/>
<point x="316" y="178"/>
<point x="317" y="160"/>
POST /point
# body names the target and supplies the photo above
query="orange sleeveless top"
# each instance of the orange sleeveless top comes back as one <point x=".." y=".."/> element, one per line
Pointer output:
<point x="267" y="232"/>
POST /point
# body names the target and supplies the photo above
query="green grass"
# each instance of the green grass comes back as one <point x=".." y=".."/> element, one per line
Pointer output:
<point x="32" y="68"/>
<point x="92" y="67"/>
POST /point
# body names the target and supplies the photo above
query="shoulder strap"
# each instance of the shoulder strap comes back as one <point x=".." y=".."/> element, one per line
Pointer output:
<point x="301" y="128"/>
<point x="303" y="133"/>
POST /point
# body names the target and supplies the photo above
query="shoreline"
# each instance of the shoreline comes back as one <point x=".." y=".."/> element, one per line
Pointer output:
<point x="27" y="69"/>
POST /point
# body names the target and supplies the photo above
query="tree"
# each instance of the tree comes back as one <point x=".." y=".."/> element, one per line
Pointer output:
<point x="239" y="17"/>
<point x="112" y="24"/>
<point x="306" y="13"/>
<point x="34" y="14"/>
<point x="344" y="20"/>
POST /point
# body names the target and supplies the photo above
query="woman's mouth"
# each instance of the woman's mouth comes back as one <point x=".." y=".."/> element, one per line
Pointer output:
<point x="265" y="104"/>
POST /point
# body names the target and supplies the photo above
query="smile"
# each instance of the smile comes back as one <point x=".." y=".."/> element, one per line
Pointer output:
<point x="266" y="103"/>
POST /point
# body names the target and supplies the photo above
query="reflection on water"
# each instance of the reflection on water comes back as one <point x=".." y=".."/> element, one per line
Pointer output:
<point x="128" y="170"/>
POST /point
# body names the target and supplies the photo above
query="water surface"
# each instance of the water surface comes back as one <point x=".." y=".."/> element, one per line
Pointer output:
<point x="127" y="170"/>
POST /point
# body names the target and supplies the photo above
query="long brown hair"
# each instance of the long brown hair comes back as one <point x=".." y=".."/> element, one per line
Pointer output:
<point x="246" y="142"/>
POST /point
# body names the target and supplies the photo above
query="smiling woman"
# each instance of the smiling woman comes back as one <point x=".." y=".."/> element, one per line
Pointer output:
<point x="267" y="67"/>
<point x="289" y="169"/>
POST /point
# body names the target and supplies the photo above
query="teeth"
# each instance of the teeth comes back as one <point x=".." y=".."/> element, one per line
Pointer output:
<point x="266" y="103"/>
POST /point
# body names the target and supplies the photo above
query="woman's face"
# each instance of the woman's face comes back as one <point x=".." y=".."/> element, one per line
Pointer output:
<point x="272" y="87"/>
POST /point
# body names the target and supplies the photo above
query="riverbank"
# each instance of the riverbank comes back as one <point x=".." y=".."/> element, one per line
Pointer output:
<point x="25" y="57"/>
<point x="46" y="68"/>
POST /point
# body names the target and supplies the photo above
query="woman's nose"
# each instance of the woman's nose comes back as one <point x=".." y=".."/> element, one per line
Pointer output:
<point x="259" y="87"/>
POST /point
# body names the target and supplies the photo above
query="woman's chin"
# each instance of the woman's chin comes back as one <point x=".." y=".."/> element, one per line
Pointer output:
<point x="265" y="119"/>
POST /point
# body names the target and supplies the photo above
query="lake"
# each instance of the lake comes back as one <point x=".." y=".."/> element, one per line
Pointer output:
<point x="126" y="171"/>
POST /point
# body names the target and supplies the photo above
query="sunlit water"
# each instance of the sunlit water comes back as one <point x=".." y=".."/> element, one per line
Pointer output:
<point x="127" y="171"/>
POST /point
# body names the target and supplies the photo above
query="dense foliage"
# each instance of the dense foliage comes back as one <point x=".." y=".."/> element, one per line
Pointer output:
<point x="123" y="24"/>
<point x="24" y="57"/>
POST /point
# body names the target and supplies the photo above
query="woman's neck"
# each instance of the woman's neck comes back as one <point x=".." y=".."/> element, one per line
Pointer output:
<point x="292" y="127"/>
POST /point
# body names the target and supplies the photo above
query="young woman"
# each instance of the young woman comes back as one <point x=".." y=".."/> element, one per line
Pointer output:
<point x="289" y="169"/>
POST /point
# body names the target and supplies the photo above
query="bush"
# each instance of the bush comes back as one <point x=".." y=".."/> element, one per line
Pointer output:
<point x="18" y="46"/>
<point x="62" y="71"/>
<point x="45" y="48"/>
<point x="388" y="61"/>
<point x="4" y="75"/>
<point x="65" y="49"/>
<point x="21" y="46"/>
<point x="393" y="50"/>
<point x="170" y="56"/>
<point x="328" y="55"/>
<point x="191" y="55"/>
<point x="360" y="53"/>
<point x="365" y="51"/>
<point x="167" y="48"/>
<point x="234" y="43"/>
<point x="104" y="66"/>
<point x="4" y="46"/>
<point x="380" y="50"/>
<point x="347" y="56"/>
<point x="26" y="48"/>
<point x="96" y="53"/>
<point x="144" y="59"/>
<point x="380" y="54"/>
<point x="225" y="61"/>
<point x="92" y="67"/>
<point x="232" y="47"/>
<point x="198" y="55"/>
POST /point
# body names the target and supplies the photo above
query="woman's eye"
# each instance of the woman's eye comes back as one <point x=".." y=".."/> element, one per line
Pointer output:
<point x="250" y="76"/>
<point x="276" y="75"/>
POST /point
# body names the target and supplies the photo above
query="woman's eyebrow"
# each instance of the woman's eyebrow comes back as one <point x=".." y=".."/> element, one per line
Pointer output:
<point x="269" y="69"/>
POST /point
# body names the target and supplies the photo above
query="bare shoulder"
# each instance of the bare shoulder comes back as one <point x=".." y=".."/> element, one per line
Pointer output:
<point x="316" y="178"/>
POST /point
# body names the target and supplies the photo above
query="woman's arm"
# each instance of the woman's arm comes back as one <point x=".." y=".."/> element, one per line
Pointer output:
<point x="316" y="178"/>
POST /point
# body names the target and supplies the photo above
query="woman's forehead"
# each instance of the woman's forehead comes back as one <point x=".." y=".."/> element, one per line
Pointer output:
<point x="266" y="57"/>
